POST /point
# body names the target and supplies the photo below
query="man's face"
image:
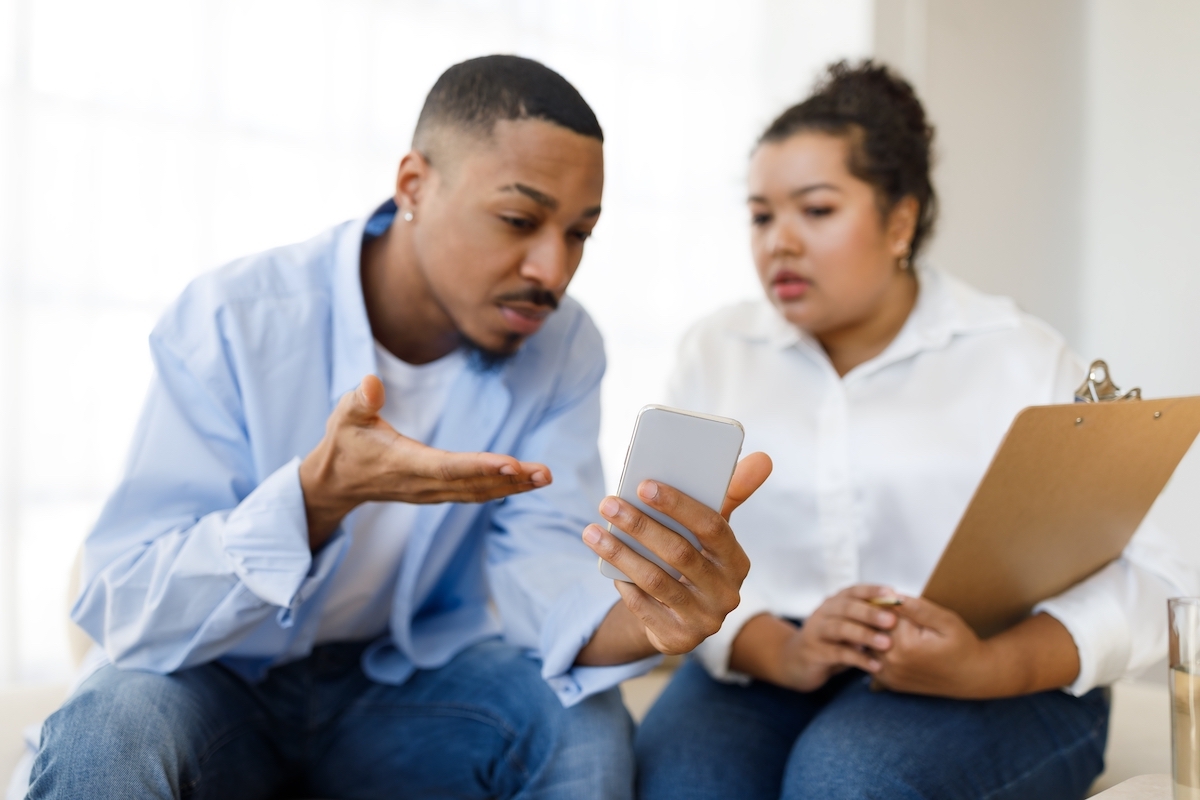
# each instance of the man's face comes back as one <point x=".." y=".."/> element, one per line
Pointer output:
<point x="499" y="231"/>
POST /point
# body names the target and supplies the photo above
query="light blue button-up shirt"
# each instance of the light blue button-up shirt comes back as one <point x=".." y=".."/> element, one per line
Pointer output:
<point x="202" y="553"/>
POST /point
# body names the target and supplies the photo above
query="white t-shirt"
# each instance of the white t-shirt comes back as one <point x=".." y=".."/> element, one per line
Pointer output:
<point x="360" y="597"/>
<point x="874" y="469"/>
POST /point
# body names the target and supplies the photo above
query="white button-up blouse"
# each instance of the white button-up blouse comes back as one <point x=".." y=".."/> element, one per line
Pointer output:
<point x="874" y="469"/>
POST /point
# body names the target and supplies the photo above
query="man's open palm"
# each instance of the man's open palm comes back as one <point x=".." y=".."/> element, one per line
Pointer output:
<point x="363" y="459"/>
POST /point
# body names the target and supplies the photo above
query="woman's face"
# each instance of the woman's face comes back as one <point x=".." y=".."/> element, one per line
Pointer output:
<point x="824" y="253"/>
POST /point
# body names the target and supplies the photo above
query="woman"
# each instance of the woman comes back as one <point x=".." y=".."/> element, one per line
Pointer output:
<point x="881" y="392"/>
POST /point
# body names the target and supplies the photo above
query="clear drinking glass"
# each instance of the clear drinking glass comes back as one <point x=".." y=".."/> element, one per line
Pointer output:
<point x="1184" y="617"/>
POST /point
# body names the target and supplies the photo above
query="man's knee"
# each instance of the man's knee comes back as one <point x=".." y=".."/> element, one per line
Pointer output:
<point x="117" y="725"/>
<point x="581" y="751"/>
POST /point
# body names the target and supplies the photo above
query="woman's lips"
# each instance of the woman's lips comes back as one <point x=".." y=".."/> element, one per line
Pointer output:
<point x="525" y="321"/>
<point x="789" y="286"/>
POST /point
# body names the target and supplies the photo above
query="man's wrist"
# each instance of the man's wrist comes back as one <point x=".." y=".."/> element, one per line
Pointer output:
<point x="323" y="509"/>
<point x="620" y="639"/>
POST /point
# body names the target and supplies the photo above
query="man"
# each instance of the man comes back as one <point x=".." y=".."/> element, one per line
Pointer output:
<point x="301" y="583"/>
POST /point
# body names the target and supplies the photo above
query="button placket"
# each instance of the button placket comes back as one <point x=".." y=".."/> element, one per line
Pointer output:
<point x="835" y="501"/>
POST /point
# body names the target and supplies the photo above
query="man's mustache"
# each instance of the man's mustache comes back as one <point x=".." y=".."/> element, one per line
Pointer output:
<point x="538" y="297"/>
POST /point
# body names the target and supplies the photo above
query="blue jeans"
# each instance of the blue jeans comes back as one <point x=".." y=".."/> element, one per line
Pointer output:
<point x="484" y="725"/>
<point x="705" y="739"/>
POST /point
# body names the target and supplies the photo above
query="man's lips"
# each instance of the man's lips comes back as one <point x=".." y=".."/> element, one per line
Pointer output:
<point x="789" y="285"/>
<point x="524" y="320"/>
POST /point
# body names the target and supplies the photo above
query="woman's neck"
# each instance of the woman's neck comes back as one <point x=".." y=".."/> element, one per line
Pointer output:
<point x="859" y="342"/>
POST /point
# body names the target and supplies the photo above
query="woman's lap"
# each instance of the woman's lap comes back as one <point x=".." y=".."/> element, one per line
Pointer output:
<point x="707" y="739"/>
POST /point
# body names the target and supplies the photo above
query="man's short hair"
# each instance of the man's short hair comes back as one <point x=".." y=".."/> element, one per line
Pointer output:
<point x="474" y="95"/>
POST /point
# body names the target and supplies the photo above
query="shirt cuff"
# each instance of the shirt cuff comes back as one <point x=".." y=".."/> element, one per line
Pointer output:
<point x="1092" y="613"/>
<point x="568" y="628"/>
<point x="713" y="653"/>
<point x="265" y="539"/>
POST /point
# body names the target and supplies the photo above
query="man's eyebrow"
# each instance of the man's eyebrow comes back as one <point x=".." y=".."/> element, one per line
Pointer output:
<point x="803" y="190"/>
<point x="541" y="198"/>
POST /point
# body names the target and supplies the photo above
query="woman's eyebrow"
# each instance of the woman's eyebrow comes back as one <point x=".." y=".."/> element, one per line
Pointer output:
<point x="803" y="190"/>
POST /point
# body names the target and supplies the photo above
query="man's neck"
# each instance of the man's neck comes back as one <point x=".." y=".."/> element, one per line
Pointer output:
<point x="404" y="314"/>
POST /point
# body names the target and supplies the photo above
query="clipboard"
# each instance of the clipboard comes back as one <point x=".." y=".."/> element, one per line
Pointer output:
<point x="1063" y="496"/>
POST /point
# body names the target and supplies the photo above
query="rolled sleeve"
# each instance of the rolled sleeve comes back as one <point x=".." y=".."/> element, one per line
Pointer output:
<point x="266" y="538"/>
<point x="567" y="629"/>
<point x="1092" y="612"/>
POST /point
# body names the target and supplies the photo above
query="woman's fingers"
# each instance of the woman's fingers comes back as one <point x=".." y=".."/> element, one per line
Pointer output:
<point x="928" y="614"/>
<point x="841" y="630"/>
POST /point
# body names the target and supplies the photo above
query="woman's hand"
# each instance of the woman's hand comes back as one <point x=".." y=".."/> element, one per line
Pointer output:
<point x="845" y="631"/>
<point x="934" y="652"/>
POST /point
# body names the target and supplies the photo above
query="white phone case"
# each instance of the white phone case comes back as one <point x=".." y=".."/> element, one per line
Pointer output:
<point x="694" y="453"/>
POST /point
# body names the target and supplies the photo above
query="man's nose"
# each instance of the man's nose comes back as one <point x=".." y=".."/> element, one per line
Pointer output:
<point x="546" y="263"/>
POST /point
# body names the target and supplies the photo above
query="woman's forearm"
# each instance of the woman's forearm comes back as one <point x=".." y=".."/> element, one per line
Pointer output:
<point x="758" y="649"/>
<point x="1035" y="655"/>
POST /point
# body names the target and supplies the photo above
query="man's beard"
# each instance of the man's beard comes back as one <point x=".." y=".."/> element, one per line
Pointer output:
<point x="486" y="359"/>
<point x="489" y="359"/>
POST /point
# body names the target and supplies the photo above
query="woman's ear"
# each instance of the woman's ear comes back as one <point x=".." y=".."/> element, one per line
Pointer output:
<point x="901" y="225"/>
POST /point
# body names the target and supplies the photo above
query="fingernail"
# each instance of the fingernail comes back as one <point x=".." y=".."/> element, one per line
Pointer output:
<point x="887" y="620"/>
<point x="539" y="477"/>
<point x="873" y="665"/>
<point x="591" y="534"/>
<point x="508" y="469"/>
<point x="648" y="490"/>
<point x="609" y="507"/>
<point x="881" y="641"/>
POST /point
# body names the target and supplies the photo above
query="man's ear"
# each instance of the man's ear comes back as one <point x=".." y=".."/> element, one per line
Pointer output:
<point x="412" y="181"/>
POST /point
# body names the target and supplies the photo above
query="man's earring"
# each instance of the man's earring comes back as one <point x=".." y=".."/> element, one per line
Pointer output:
<point x="408" y="216"/>
<point x="903" y="262"/>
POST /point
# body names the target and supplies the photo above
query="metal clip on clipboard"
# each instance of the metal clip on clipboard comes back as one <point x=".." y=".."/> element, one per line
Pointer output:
<point x="1064" y="494"/>
<point x="1098" y="387"/>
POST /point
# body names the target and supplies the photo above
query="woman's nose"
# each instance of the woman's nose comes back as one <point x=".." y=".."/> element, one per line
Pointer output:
<point x="784" y="240"/>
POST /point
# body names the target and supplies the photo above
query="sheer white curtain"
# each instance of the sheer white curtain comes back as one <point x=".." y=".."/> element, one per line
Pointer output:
<point x="143" y="141"/>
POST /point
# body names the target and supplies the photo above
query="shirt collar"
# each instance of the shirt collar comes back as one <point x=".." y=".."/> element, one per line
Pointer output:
<point x="353" y="344"/>
<point x="945" y="308"/>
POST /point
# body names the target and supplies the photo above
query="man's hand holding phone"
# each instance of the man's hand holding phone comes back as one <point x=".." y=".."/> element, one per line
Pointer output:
<point x="661" y="613"/>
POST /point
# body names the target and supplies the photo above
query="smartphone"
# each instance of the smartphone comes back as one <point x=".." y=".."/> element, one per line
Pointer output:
<point x="694" y="453"/>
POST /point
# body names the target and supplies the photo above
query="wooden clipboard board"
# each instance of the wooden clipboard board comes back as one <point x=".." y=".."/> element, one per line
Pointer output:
<point x="1063" y="496"/>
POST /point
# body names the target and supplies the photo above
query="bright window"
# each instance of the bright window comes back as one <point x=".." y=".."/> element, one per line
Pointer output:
<point x="144" y="141"/>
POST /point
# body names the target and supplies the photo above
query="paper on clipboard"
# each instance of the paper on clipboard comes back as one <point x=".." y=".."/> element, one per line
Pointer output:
<point x="1064" y="494"/>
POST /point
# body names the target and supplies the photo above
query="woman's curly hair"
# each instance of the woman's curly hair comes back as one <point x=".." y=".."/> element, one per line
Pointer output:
<point x="890" y="137"/>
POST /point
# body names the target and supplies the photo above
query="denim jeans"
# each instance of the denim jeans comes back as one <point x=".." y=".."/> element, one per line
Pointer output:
<point x="705" y="739"/>
<point x="484" y="725"/>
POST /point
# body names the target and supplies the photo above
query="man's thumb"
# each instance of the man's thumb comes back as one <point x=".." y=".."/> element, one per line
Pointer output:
<point x="368" y="397"/>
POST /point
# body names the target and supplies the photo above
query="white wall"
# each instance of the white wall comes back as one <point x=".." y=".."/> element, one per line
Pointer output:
<point x="1003" y="84"/>
<point x="1069" y="145"/>
<point x="1141" y="285"/>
